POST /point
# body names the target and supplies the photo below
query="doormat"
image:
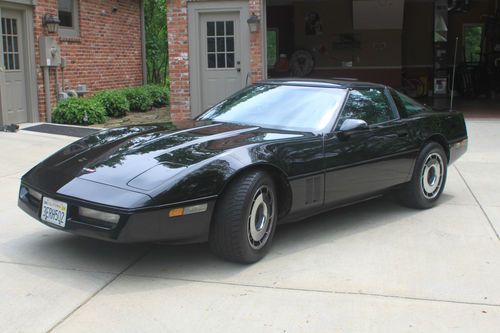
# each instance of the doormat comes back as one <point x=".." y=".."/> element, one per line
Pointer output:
<point x="78" y="132"/>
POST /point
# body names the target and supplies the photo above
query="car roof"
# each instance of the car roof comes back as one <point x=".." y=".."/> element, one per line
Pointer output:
<point x="324" y="83"/>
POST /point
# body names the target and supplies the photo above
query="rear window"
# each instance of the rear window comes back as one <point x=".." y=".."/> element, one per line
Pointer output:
<point x="407" y="105"/>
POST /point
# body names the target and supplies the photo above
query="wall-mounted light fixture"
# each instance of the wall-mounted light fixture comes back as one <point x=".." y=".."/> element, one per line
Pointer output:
<point x="51" y="22"/>
<point x="253" y="23"/>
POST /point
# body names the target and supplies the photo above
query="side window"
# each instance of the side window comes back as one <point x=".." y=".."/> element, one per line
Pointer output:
<point x="370" y="105"/>
<point x="68" y="14"/>
<point x="406" y="104"/>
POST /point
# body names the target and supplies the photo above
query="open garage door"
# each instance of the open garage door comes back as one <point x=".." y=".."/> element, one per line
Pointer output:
<point x="336" y="39"/>
<point x="407" y="44"/>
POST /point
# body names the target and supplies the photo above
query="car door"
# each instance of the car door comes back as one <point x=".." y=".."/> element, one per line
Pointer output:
<point x="362" y="162"/>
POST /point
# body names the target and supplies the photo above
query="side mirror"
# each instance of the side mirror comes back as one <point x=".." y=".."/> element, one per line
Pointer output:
<point x="353" y="125"/>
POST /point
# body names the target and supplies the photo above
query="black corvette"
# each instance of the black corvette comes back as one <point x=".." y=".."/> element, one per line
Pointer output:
<point x="277" y="151"/>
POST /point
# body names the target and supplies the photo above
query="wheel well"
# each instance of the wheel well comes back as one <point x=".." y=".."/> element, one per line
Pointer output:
<point x="283" y="189"/>
<point x="442" y="141"/>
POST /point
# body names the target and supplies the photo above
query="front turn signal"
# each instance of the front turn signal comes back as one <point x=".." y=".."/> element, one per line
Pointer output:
<point x="176" y="212"/>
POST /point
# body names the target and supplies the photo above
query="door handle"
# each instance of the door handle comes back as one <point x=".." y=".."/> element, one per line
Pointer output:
<point x="238" y="70"/>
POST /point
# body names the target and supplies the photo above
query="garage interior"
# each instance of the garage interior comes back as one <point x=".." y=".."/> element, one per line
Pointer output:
<point x="407" y="44"/>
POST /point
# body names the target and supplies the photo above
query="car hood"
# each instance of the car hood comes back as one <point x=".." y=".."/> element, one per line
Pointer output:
<point x="120" y="156"/>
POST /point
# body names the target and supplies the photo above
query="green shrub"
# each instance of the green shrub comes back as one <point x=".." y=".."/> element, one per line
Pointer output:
<point x="138" y="98"/>
<point x="75" y="110"/>
<point x="114" y="101"/>
<point x="159" y="94"/>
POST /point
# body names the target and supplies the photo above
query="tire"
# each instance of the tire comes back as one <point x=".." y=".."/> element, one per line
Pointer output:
<point x="428" y="179"/>
<point x="245" y="219"/>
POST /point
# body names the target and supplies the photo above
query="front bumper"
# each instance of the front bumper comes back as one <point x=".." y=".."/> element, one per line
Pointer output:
<point x="141" y="225"/>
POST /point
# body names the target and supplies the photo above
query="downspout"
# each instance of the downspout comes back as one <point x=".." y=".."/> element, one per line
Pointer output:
<point x="46" y="85"/>
<point x="263" y="29"/>
<point x="143" y="45"/>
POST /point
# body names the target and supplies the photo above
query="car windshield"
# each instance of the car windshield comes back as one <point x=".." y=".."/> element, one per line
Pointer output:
<point x="296" y="108"/>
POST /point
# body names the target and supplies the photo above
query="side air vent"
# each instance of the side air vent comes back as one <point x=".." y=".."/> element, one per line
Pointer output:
<point x="313" y="190"/>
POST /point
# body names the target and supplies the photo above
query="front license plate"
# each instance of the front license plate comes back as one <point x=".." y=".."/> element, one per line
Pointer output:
<point x="54" y="211"/>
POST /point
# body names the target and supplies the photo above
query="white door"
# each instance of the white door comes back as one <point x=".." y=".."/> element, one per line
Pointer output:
<point x="12" y="65"/>
<point x="220" y="48"/>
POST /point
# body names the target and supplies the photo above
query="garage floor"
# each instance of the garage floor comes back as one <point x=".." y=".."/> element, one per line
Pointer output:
<point x="371" y="267"/>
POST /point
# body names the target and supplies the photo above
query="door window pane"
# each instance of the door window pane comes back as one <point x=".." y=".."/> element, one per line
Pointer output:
<point x="14" y="27"/>
<point x="230" y="60"/>
<point x="16" y="49"/>
<point x="370" y="105"/>
<point x="221" y="60"/>
<point x="210" y="28"/>
<point x="229" y="28"/>
<point x="220" y="44"/>
<point x="230" y="44"/>
<point x="10" y="44"/>
<point x="220" y="28"/>
<point x="211" y="44"/>
<point x="7" y="29"/>
<point x="211" y="61"/>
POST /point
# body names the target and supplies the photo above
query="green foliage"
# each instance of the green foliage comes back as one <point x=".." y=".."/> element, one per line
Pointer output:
<point x="159" y="94"/>
<point x="472" y="43"/>
<point x="114" y="101"/>
<point x="139" y="99"/>
<point x="78" y="111"/>
<point x="155" y="24"/>
<point x="272" y="47"/>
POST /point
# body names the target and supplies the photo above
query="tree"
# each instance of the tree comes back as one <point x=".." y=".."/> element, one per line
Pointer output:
<point x="155" y="22"/>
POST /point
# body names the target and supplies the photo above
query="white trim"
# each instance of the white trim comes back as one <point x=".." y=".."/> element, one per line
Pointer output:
<point x="31" y="85"/>
<point x="19" y="2"/>
<point x="195" y="10"/>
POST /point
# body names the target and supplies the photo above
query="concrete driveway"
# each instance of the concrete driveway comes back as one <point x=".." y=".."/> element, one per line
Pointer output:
<point x="372" y="267"/>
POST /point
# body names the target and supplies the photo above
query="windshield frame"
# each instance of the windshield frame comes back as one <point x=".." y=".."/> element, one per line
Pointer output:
<point x="323" y="130"/>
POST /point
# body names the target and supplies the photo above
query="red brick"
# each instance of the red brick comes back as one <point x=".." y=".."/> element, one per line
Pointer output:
<point x="107" y="54"/>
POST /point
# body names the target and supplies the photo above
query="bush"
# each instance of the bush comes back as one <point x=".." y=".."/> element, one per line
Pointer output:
<point x="139" y="99"/>
<point x="75" y="110"/>
<point x="114" y="101"/>
<point x="159" y="94"/>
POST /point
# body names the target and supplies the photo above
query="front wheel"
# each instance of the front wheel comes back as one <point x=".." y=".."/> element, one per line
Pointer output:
<point x="428" y="180"/>
<point x="245" y="218"/>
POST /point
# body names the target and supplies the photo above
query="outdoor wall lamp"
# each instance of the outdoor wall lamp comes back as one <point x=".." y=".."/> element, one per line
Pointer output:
<point x="253" y="23"/>
<point x="51" y="22"/>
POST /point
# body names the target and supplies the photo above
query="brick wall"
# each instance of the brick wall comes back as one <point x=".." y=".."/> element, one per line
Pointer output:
<point x="178" y="59"/>
<point x="178" y="48"/>
<point x="106" y="55"/>
<point x="255" y="43"/>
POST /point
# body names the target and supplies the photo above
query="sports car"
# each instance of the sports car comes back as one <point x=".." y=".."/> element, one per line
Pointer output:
<point x="275" y="152"/>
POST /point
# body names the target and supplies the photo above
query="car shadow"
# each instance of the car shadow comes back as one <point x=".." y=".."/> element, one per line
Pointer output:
<point x="195" y="262"/>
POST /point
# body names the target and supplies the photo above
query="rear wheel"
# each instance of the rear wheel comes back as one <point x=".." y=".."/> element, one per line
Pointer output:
<point x="428" y="180"/>
<point x="245" y="218"/>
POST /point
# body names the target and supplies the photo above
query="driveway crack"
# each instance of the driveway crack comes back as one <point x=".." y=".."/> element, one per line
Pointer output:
<point x="139" y="257"/>
<point x="480" y="206"/>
